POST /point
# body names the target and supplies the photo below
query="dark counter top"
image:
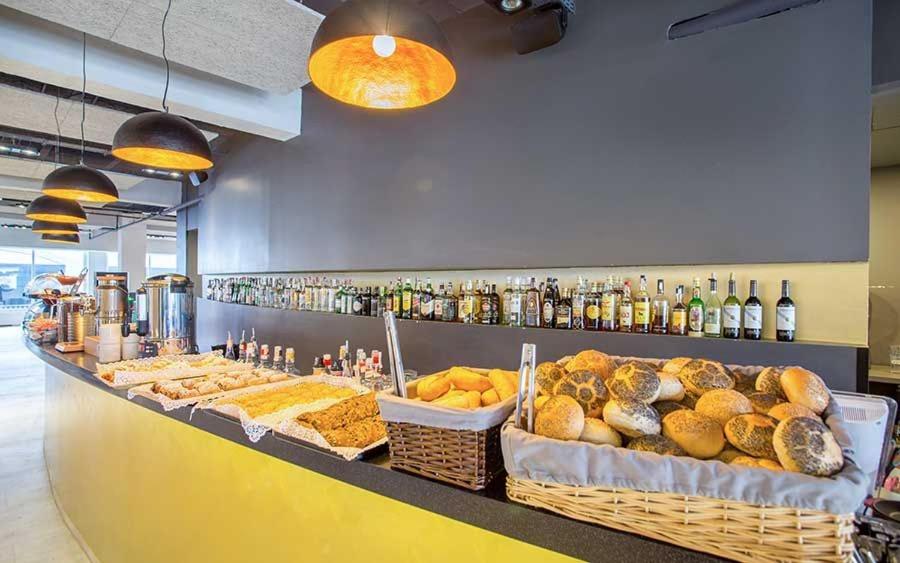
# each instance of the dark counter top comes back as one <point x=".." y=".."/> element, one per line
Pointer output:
<point x="489" y="510"/>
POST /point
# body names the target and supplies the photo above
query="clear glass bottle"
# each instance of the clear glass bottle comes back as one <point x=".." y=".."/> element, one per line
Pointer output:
<point x="679" y="326"/>
<point x="642" y="308"/>
<point x="731" y="312"/>
<point x="507" y="298"/>
<point x="516" y="318"/>
<point x="242" y="347"/>
<point x="451" y="305"/>
<point x="609" y="306"/>
<point x="785" y="315"/>
<point x="578" y="305"/>
<point x="289" y="362"/>
<point x="229" y="347"/>
<point x="277" y="360"/>
<point x="626" y="309"/>
<point x="659" y="315"/>
<point x="753" y="314"/>
<point x="712" y="310"/>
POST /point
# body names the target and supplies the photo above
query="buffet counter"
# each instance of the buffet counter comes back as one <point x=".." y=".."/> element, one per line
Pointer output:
<point x="139" y="484"/>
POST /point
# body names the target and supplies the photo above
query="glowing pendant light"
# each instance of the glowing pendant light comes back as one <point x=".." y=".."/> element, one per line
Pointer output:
<point x="160" y="140"/>
<point x="56" y="210"/>
<point x="64" y="239"/>
<point x="381" y="54"/>
<point x="51" y="228"/>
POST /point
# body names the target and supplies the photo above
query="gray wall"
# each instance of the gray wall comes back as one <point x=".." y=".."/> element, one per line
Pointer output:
<point x="743" y="145"/>
<point x="885" y="43"/>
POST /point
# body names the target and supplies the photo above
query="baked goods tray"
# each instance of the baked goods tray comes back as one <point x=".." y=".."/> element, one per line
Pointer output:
<point x="369" y="452"/>
<point x="174" y="369"/>
<point x="146" y="391"/>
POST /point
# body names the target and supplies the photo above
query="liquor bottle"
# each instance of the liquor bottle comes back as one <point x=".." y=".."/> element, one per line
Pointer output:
<point x="359" y="302"/>
<point x="331" y="295"/>
<point x="563" y="315"/>
<point x="366" y="299"/>
<point x="753" y="314"/>
<point x="277" y="362"/>
<point x="398" y="299"/>
<point x="426" y="302"/>
<point x="487" y="311"/>
<point x="533" y="306"/>
<point x="642" y="308"/>
<point x="507" y="298"/>
<point x="477" y="296"/>
<point x="578" y="306"/>
<point x="251" y="353"/>
<point x="462" y="301"/>
<point x="417" y="301"/>
<point x="229" y="347"/>
<point x="406" y="302"/>
<point x="785" y="315"/>
<point x="696" y="314"/>
<point x="731" y="312"/>
<point x="659" y="314"/>
<point x="679" y="325"/>
<point x="495" y="305"/>
<point x="548" y="308"/>
<point x="515" y="305"/>
<point x="626" y="309"/>
<point x="593" y="308"/>
<point x="438" y="303"/>
<point x="376" y="301"/>
<point x="339" y="300"/>
<point x="609" y="306"/>
<point x="451" y="304"/>
<point x="712" y="310"/>
<point x="242" y="348"/>
<point x="389" y="298"/>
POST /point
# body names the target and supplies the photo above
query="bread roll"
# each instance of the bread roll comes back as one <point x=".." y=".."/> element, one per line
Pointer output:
<point x="805" y="388"/>
<point x="700" y="376"/>
<point x="752" y="434"/>
<point x="782" y="411"/>
<point x="770" y="464"/>
<point x="657" y="444"/>
<point x="665" y="407"/>
<point x="561" y="418"/>
<point x="806" y="445"/>
<point x="759" y="463"/>
<point x="564" y="360"/>
<point x="722" y="405"/>
<point x="769" y="381"/>
<point x="729" y="454"/>
<point x="474" y="399"/>
<point x="745" y="460"/>
<point x="468" y="380"/>
<point x="674" y="365"/>
<point x="540" y="402"/>
<point x="689" y="400"/>
<point x="586" y="387"/>
<point x="742" y="383"/>
<point x="763" y="402"/>
<point x="631" y="418"/>
<point x="546" y="375"/>
<point x="598" y="432"/>
<point x="670" y="387"/>
<point x="635" y="381"/>
<point x="432" y="387"/>
<point x="698" y="435"/>
<point x="501" y="384"/>
<point x="490" y="397"/>
<point x="454" y="401"/>
<point x="593" y="360"/>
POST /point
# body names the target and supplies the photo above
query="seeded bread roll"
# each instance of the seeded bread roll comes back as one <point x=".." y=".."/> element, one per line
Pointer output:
<point x="763" y="402"/>
<point x="674" y="365"/>
<point x="742" y="383"/>
<point x="631" y="418"/>
<point x="564" y="360"/>
<point x="689" y="400"/>
<point x="729" y="454"/>
<point x="598" y="432"/>
<point x="593" y="360"/>
<point x="657" y="444"/>
<point x="782" y="411"/>
<point x="769" y="381"/>
<point x="806" y="445"/>
<point x="805" y="388"/>
<point x="546" y="375"/>
<point x="586" y="387"/>
<point x="700" y="436"/>
<point x="665" y="407"/>
<point x="670" y="387"/>
<point x="561" y="418"/>
<point x="760" y="463"/>
<point x="700" y="376"/>
<point x="722" y="405"/>
<point x="634" y="381"/>
<point x="752" y="434"/>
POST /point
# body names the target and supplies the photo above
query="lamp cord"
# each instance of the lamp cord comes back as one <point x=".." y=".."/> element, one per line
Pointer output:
<point x="83" y="87"/>
<point x="58" y="131"/>
<point x="165" y="58"/>
<point x="387" y="20"/>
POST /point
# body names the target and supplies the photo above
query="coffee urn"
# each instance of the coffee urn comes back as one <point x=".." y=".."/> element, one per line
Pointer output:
<point x="165" y="313"/>
<point x="112" y="302"/>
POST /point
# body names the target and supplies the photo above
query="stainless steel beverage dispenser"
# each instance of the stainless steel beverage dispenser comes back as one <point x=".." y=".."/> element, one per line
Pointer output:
<point x="112" y="302"/>
<point x="165" y="313"/>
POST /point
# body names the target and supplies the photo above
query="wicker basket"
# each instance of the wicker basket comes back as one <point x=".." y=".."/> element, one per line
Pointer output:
<point x="731" y="529"/>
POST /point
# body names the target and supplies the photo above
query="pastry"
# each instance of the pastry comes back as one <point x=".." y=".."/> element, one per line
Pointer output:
<point x="349" y="410"/>
<point x="270" y="401"/>
<point x="432" y="387"/>
<point x="782" y="411"/>
<point x="763" y="402"/>
<point x="665" y="407"/>
<point x="769" y="381"/>
<point x="598" y="432"/>
<point x="752" y="434"/>
<point x="540" y="402"/>
<point x="357" y="434"/>
<point x="806" y="445"/>
<point x="631" y="418"/>
<point x="674" y="365"/>
<point x="207" y="388"/>
<point x="805" y="388"/>
<point x="468" y="380"/>
<point x="700" y="376"/>
<point x="698" y="435"/>
<point x="593" y="360"/>
<point x="278" y="376"/>
<point x="634" y="381"/>
<point x="586" y="387"/>
<point x="722" y="405"/>
<point x="561" y="418"/>
<point x="564" y="360"/>
<point x="656" y="443"/>
<point x="670" y="387"/>
<point x="546" y="375"/>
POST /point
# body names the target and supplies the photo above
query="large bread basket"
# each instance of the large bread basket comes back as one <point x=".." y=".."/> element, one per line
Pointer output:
<point x="740" y="513"/>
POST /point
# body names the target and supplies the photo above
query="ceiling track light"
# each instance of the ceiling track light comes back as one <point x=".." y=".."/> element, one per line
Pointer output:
<point x="51" y="228"/>
<point x="63" y="239"/>
<point x="56" y="210"/>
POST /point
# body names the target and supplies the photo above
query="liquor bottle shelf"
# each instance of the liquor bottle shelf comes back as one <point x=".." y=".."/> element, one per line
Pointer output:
<point x="431" y="345"/>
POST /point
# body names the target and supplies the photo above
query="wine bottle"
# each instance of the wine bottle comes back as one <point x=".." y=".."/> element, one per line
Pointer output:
<point x="753" y="314"/>
<point x="712" y="311"/>
<point x="731" y="312"/>
<point x="785" y="315"/>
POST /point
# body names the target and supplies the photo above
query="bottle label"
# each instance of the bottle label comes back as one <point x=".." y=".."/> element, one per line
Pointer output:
<point x="785" y="317"/>
<point x="593" y="312"/>
<point x="357" y="306"/>
<point x="753" y="317"/>
<point x="713" y="324"/>
<point x="606" y="308"/>
<point x="731" y="316"/>
<point x="407" y="302"/>
<point x="466" y="308"/>
<point x="642" y="313"/>
<point x="679" y="318"/>
<point x="426" y="307"/>
<point x="548" y="312"/>
<point x="625" y="316"/>
<point x="438" y="308"/>
<point x="695" y="319"/>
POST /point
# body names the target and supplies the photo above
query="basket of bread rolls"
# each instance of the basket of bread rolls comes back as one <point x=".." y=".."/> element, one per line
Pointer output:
<point x="448" y="426"/>
<point x="749" y="463"/>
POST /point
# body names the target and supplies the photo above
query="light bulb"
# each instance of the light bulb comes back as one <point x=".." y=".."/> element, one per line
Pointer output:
<point x="384" y="45"/>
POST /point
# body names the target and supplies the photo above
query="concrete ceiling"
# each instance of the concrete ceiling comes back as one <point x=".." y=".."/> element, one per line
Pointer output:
<point x="886" y="127"/>
<point x="260" y="43"/>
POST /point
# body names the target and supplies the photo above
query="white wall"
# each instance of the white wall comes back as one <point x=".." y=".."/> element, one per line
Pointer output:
<point x="884" y="264"/>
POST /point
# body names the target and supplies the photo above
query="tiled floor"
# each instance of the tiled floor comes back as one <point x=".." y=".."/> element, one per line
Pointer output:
<point x="31" y="528"/>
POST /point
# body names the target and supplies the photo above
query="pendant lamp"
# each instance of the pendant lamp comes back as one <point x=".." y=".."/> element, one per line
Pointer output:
<point x="381" y="54"/>
<point x="56" y="210"/>
<point x="64" y="239"/>
<point x="159" y="139"/>
<point x="51" y="228"/>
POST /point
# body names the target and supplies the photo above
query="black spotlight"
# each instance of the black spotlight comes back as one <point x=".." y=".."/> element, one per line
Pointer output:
<point x="543" y="27"/>
<point x="198" y="177"/>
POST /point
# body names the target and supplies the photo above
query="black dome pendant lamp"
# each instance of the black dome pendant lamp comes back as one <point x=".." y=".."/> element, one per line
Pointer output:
<point x="51" y="228"/>
<point x="79" y="182"/>
<point x="65" y="239"/>
<point x="55" y="210"/>
<point x="159" y="139"/>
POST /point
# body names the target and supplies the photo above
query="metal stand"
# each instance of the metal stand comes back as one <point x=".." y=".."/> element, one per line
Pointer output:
<point x="526" y="385"/>
<point x="398" y="376"/>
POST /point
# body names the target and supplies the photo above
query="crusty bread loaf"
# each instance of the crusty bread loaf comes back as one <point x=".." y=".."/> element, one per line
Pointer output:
<point x="763" y="402"/>
<point x="634" y="381"/>
<point x="722" y="405"/>
<point x="631" y="418"/>
<point x="586" y="387"/>
<point x="698" y="435"/>
<point x="752" y="434"/>
<point x="598" y="432"/>
<point x="782" y="411"/>
<point x="468" y="380"/>
<point x="432" y="387"/>
<point x="593" y="360"/>
<point x="657" y="444"/>
<point x="546" y="375"/>
<point x="502" y="383"/>
<point x="561" y="418"/>
<point x="665" y="407"/>
<point x="670" y="387"/>
<point x="674" y="365"/>
<point x="700" y="376"/>
<point x="805" y="388"/>
<point x="806" y="445"/>
<point x="769" y="381"/>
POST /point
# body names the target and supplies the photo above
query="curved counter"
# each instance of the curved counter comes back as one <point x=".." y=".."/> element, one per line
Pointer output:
<point x="139" y="484"/>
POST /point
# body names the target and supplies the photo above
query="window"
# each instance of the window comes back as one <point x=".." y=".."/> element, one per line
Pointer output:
<point x="160" y="264"/>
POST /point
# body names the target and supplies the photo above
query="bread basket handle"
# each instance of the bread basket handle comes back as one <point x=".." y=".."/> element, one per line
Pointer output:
<point x="526" y="385"/>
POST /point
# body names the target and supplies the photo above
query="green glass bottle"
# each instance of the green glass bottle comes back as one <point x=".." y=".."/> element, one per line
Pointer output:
<point x="731" y="312"/>
<point x="406" y="302"/>
<point x="695" y="311"/>
<point x="712" y="325"/>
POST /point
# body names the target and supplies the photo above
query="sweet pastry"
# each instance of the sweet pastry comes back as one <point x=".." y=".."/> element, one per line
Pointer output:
<point x="561" y="418"/>
<point x="207" y="388"/>
<point x="586" y="387"/>
<point x="546" y="375"/>
<point x="468" y="380"/>
<point x="665" y="407"/>
<point x="631" y="418"/>
<point x="540" y="402"/>
<point x="700" y="376"/>
<point x="752" y="434"/>
<point x="277" y="376"/>
<point x="763" y="402"/>
<point x="674" y="365"/>
<point x="598" y="432"/>
<point x="806" y="445"/>
<point x="769" y="381"/>
<point x="782" y="411"/>
<point x="594" y="361"/>
<point x="454" y="400"/>
<point x="722" y="405"/>
<point x="805" y="388"/>
<point x="698" y="435"/>
<point x="634" y="381"/>
<point x="670" y="387"/>
<point x="657" y="444"/>
<point x="273" y="400"/>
